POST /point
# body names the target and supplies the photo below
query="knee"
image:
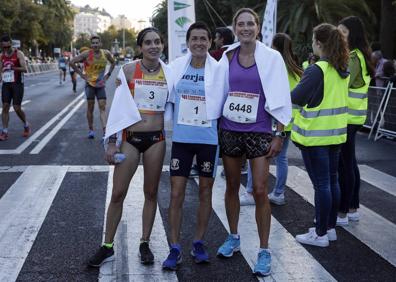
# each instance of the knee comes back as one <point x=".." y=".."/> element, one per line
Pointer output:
<point x="17" y="108"/>
<point x="260" y="193"/>
<point x="150" y="196"/>
<point x="177" y="198"/>
<point x="117" y="198"/>
<point x="6" y="108"/>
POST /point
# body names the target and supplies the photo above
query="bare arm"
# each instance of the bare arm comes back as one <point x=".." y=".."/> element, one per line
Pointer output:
<point x="79" y="59"/>
<point x="22" y="62"/>
<point x="110" y="58"/>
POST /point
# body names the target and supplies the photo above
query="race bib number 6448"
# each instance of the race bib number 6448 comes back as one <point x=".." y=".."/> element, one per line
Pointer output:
<point x="241" y="107"/>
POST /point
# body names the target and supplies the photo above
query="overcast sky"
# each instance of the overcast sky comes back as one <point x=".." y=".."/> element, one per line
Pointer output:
<point x="135" y="9"/>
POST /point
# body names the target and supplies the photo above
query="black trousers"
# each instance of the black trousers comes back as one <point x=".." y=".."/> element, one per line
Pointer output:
<point x="348" y="172"/>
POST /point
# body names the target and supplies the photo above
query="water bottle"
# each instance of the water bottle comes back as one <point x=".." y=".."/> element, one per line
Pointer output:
<point x="119" y="158"/>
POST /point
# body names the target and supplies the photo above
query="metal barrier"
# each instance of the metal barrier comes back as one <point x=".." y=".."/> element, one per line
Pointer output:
<point x="381" y="112"/>
<point x="41" y="68"/>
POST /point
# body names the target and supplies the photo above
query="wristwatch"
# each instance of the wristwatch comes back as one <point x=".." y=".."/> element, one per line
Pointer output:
<point x="280" y="134"/>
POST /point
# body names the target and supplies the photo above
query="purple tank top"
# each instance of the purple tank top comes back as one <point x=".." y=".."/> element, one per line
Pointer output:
<point x="247" y="80"/>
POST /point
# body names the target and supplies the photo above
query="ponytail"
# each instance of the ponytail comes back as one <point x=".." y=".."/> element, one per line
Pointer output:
<point x="334" y="45"/>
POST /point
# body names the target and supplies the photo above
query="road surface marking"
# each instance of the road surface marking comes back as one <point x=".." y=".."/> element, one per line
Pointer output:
<point x="366" y="230"/>
<point x="23" y="209"/>
<point x="12" y="108"/>
<point x="378" y="179"/>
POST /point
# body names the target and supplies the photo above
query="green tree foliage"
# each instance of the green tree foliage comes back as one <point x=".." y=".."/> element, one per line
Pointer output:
<point x="39" y="23"/>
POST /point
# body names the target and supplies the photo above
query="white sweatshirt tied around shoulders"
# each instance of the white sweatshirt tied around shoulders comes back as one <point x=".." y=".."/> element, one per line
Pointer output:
<point x="274" y="80"/>
<point x="123" y="111"/>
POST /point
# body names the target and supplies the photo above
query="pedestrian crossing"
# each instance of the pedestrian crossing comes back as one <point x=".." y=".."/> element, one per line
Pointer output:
<point x="26" y="203"/>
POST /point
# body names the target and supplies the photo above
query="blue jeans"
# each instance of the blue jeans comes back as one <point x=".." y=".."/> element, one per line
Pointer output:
<point x="321" y="163"/>
<point x="281" y="170"/>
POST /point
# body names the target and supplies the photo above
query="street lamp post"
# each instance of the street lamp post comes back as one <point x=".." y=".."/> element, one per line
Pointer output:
<point x="123" y="33"/>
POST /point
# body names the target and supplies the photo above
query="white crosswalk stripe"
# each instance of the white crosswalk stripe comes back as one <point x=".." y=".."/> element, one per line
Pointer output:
<point x="25" y="205"/>
<point x="368" y="227"/>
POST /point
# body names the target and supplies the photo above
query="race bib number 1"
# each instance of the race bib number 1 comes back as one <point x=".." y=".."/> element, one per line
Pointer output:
<point x="150" y="95"/>
<point x="241" y="107"/>
<point x="192" y="111"/>
<point x="8" y="76"/>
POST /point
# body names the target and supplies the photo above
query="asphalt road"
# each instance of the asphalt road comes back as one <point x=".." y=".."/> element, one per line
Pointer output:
<point x="54" y="186"/>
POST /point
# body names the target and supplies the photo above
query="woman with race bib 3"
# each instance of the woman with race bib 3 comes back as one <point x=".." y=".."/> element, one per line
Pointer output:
<point x="135" y="127"/>
<point x="257" y="98"/>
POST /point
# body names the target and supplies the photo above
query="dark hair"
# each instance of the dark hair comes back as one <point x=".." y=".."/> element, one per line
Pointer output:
<point x="226" y="34"/>
<point x="334" y="45"/>
<point x="388" y="68"/>
<point x="198" y="25"/>
<point x="245" y="10"/>
<point x="143" y="32"/>
<point x="6" y="38"/>
<point x="283" y="43"/>
<point x="357" y="39"/>
<point x="95" y="36"/>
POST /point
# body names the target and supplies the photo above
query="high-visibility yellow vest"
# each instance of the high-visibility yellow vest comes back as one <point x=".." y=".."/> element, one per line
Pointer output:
<point x="357" y="97"/>
<point x="294" y="79"/>
<point x="305" y="65"/>
<point x="325" y="124"/>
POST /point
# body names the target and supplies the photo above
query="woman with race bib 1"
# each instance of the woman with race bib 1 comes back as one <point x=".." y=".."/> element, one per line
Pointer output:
<point x="136" y="127"/>
<point x="257" y="95"/>
<point x="198" y="98"/>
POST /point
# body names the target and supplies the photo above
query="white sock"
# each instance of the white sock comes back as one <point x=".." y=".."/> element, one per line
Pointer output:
<point x="235" y="236"/>
<point x="5" y="130"/>
<point x="262" y="249"/>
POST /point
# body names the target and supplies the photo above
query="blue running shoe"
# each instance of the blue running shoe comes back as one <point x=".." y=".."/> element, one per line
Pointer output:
<point x="198" y="252"/>
<point x="174" y="258"/>
<point x="229" y="247"/>
<point x="91" y="134"/>
<point x="263" y="266"/>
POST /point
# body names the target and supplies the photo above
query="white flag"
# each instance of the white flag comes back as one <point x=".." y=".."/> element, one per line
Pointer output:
<point x="181" y="14"/>
<point x="269" y="22"/>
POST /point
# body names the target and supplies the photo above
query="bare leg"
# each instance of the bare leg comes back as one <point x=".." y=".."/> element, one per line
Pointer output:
<point x="178" y="188"/>
<point x="232" y="168"/>
<point x="153" y="160"/>
<point x="5" y="115"/>
<point x="102" y="110"/>
<point x="205" y="206"/>
<point x="20" y="113"/>
<point x="123" y="174"/>
<point x="260" y="172"/>
<point x="90" y="109"/>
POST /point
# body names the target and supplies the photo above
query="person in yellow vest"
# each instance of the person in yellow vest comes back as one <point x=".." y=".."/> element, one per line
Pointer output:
<point x="361" y="70"/>
<point x="321" y="126"/>
<point x="283" y="44"/>
<point x="95" y="62"/>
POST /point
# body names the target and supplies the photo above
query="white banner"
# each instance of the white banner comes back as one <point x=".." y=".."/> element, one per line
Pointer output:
<point x="181" y="14"/>
<point x="269" y="22"/>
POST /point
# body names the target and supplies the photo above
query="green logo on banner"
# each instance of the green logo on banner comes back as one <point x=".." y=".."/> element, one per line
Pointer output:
<point x="179" y="6"/>
<point x="182" y="21"/>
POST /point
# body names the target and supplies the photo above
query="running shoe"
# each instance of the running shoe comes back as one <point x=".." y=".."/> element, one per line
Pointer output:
<point x="174" y="258"/>
<point x="277" y="200"/>
<point x="311" y="238"/>
<point x="91" y="134"/>
<point x="331" y="234"/>
<point x="26" y="131"/>
<point x="246" y="199"/>
<point x="146" y="256"/>
<point x="3" y="136"/>
<point x="263" y="265"/>
<point x="229" y="247"/>
<point x="199" y="253"/>
<point x="103" y="255"/>
<point x="353" y="216"/>
<point x="342" y="221"/>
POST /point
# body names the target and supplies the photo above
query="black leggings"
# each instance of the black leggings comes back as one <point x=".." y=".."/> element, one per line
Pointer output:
<point x="348" y="171"/>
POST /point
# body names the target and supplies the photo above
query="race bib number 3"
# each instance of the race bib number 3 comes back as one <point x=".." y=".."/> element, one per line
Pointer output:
<point x="150" y="95"/>
<point x="241" y="107"/>
<point x="192" y="111"/>
<point x="8" y="76"/>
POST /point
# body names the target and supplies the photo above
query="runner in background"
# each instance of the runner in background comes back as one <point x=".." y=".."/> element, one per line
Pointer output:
<point x="12" y="67"/>
<point x="62" y="68"/>
<point x="95" y="61"/>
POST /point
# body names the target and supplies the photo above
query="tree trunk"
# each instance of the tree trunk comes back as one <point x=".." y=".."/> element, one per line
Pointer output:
<point x="388" y="28"/>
